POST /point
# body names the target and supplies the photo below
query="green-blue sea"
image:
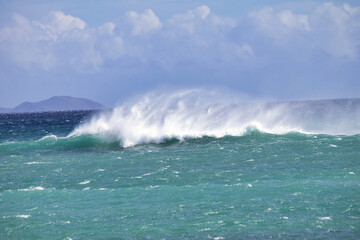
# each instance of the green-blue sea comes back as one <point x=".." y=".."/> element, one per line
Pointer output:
<point x="58" y="183"/>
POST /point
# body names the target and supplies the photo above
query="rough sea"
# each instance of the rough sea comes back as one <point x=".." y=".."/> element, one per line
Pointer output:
<point x="185" y="165"/>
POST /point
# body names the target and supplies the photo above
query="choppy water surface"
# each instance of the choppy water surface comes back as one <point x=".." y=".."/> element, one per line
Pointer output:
<point x="58" y="183"/>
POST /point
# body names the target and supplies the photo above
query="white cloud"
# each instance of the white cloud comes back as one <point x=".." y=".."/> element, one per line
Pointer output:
<point x="59" y="40"/>
<point x="22" y="44"/>
<point x="113" y="48"/>
<point x="143" y="22"/>
<point x="107" y="28"/>
<point x="202" y="11"/>
<point x="89" y="49"/>
<point x="351" y="10"/>
<point x="337" y="30"/>
<point x="293" y="21"/>
<point x="197" y="36"/>
<point x="273" y="23"/>
<point x="333" y="29"/>
<point x="59" y="22"/>
<point x="187" y="23"/>
<point x="244" y="49"/>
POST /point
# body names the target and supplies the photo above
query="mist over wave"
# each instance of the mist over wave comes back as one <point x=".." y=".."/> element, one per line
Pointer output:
<point x="195" y="113"/>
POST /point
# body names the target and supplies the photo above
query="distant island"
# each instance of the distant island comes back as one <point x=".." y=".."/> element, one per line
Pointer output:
<point x="57" y="103"/>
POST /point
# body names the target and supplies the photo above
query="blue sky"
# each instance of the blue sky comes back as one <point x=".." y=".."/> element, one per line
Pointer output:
<point x="109" y="51"/>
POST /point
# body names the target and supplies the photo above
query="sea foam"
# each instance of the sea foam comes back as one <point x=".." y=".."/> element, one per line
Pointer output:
<point x="196" y="113"/>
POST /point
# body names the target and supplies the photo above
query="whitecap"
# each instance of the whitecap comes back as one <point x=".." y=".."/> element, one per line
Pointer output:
<point x="218" y="238"/>
<point x="7" y="143"/>
<point x="136" y="177"/>
<point x="85" y="182"/>
<point x="32" y="209"/>
<point x="38" y="188"/>
<point x="194" y="113"/>
<point x="211" y="213"/>
<point x="32" y="163"/>
<point x="51" y="136"/>
<point x="23" y="216"/>
<point x="205" y="229"/>
<point x="148" y="174"/>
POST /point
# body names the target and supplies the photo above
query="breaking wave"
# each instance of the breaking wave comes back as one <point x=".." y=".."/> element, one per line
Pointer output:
<point x="195" y="113"/>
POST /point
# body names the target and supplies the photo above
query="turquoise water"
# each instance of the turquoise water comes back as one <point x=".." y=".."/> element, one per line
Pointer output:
<point x="58" y="185"/>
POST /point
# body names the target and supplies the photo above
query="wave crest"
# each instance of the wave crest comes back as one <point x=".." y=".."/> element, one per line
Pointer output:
<point x="197" y="113"/>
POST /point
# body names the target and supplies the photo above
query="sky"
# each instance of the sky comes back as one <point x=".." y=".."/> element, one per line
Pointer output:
<point x="109" y="51"/>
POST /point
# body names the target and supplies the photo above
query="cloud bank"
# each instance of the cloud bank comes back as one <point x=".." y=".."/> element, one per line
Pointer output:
<point x="264" y="48"/>
<point x="330" y="28"/>
<point x="59" y="39"/>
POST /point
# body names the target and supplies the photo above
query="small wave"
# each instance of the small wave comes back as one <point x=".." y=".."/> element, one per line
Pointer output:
<point x="158" y="117"/>
<point x="48" y="137"/>
<point x="76" y="143"/>
<point x="32" y="163"/>
<point x="23" y="216"/>
<point x="85" y="182"/>
<point x="7" y="143"/>
<point x="38" y="188"/>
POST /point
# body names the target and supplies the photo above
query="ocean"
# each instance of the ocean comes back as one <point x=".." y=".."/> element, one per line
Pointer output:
<point x="180" y="166"/>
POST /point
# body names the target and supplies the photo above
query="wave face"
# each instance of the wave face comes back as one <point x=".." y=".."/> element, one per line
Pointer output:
<point x="195" y="113"/>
